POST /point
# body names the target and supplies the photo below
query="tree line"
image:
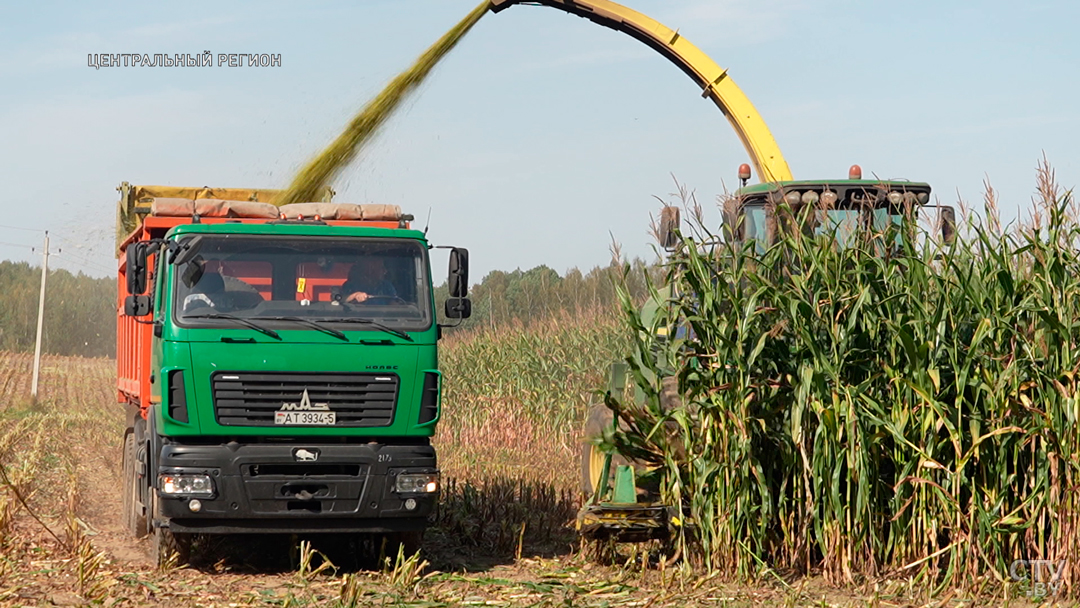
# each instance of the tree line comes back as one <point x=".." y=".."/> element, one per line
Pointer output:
<point x="523" y="296"/>
<point x="80" y="311"/>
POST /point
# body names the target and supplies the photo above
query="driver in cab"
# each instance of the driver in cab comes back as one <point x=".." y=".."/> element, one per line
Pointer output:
<point x="367" y="279"/>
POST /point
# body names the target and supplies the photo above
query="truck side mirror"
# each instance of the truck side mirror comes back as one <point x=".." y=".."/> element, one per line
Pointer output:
<point x="458" y="308"/>
<point x="135" y="271"/>
<point x="459" y="275"/>
<point x="137" y="306"/>
<point x="948" y="224"/>
<point x="669" y="226"/>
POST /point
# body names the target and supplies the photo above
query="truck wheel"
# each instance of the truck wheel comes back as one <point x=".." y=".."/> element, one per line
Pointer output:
<point x="592" y="457"/>
<point x="127" y="494"/>
<point x="409" y="543"/>
<point x="134" y="518"/>
<point x="170" y="548"/>
<point x="168" y="544"/>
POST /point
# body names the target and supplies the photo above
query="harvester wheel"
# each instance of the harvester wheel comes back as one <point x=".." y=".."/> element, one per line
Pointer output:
<point x="134" y="519"/>
<point x="592" y="457"/>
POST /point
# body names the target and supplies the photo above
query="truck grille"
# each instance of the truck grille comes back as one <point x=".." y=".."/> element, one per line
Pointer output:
<point x="251" y="399"/>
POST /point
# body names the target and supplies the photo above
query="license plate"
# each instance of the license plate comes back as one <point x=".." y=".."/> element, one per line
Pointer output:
<point x="306" y="418"/>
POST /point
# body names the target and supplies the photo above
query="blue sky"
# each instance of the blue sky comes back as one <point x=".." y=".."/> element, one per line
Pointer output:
<point x="542" y="136"/>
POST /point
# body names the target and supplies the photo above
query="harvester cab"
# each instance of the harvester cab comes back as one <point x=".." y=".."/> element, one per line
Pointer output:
<point x="845" y="209"/>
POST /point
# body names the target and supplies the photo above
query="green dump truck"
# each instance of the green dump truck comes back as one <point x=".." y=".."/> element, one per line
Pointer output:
<point x="278" y="367"/>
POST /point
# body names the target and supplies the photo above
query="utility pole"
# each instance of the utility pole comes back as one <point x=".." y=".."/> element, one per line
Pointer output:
<point x="40" y="317"/>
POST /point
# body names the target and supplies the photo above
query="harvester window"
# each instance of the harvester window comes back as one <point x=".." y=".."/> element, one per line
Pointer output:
<point x="755" y="226"/>
<point x="849" y="223"/>
<point x="845" y="222"/>
<point x="884" y="217"/>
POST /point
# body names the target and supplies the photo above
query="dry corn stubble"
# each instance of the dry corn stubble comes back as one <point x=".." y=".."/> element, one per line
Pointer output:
<point x="341" y="151"/>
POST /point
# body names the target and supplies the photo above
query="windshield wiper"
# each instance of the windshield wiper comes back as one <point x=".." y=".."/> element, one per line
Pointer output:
<point x="309" y="323"/>
<point x="240" y="320"/>
<point x="374" y="323"/>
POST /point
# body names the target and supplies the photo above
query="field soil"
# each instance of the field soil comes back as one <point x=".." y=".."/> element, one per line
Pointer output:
<point x="500" y="541"/>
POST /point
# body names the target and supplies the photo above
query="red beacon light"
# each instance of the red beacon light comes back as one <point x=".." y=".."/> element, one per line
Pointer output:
<point x="855" y="172"/>
<point x="744" y="173"/>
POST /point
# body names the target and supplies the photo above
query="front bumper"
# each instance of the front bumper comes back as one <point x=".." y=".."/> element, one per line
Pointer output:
<point x="297" y="487"/>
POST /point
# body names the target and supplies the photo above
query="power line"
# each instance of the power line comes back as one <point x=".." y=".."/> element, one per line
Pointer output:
<point x="87" y="260"/>
<point x="74" y="253"/>
<point x="21" y="228"/>
<point x="71" y="241"/>
<point x="76" y="244"/>
<point x="68" y="255"/>
<point x="83" y="246"/>
<point x="83" y="234"/>
<point x="83" y="258"/>
<point x="83" y="263"/>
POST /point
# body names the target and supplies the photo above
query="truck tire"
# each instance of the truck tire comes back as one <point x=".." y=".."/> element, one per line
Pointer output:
<point x="134" y="519"/>
<point x="127" y="489"/>
<point x="168" y="544"/>
<point x="409" y="542"/>
<point x="592" y="457"/>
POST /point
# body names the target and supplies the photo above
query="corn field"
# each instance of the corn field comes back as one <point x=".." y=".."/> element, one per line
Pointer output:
<point x="898" y="407"/>
<point x="516" y="396"/>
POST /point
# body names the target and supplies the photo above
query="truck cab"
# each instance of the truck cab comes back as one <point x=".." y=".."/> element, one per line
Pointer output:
<point x="280" y="371"/>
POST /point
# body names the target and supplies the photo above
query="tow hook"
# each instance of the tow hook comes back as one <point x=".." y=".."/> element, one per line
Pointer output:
<point x="304" y="491"/>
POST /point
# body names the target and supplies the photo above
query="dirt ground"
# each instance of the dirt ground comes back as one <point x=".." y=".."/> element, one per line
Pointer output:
<point x="62" y="542"/>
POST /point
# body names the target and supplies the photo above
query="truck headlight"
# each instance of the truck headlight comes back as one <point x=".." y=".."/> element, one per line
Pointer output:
<point x="187" y="484"/>
<point x="417" y="483"/>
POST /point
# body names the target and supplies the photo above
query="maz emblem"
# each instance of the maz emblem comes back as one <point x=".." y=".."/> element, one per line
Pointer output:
<point x="302" y="455"/>
<point x="305" y="405"/>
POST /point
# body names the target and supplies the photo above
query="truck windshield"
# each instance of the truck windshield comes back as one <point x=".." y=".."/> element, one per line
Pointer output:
<point x="328" y="281"/>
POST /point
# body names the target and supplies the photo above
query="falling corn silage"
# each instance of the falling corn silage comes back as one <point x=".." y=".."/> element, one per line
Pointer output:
<point x="321" y="170"/>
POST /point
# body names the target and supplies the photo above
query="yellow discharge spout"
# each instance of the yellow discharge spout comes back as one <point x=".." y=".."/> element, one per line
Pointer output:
<point x="715" y="83"/>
